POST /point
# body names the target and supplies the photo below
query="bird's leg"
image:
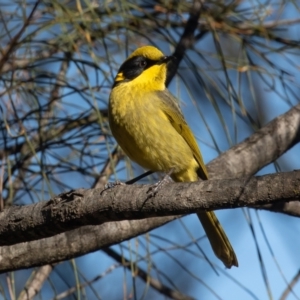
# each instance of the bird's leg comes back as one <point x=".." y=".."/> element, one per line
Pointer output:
<point x="135" y="179"/>
<point x="111" y="185"/>
<point x="152" y="191"/>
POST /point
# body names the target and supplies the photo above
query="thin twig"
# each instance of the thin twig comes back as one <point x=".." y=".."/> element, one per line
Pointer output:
<point x="289" y="288"/>
<point x="10" y="287"/>
<point x="87" y="283"/>
<point x="15" y="39"/>
<point x="187" y="39"/>
<point x="154" y="283"/>
<point x="34" y="285"/>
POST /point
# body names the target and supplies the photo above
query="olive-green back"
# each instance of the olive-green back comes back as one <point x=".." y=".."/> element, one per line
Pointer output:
<point x="171" y="108"/>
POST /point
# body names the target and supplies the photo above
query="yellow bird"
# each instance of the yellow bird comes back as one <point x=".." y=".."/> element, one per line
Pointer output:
<point x="148" y="124"/>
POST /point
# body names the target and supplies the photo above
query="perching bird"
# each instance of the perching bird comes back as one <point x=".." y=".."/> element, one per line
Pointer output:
<point x="148" y="124"/>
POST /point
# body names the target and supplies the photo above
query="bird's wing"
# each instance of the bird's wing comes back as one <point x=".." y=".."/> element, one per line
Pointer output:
<point x="172" y="110"/>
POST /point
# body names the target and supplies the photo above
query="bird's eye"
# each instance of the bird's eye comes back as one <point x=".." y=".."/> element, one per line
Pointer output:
<point x="143" y="63"/>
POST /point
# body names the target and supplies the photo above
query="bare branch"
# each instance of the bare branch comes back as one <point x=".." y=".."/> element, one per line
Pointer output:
<point x="91" y="207"/>
<point x="289" y="208"/>
<point x="15" y="39"/>
<point x="289" y="288"/>
<point x="73" y="243"/>
<point x="187" y="39"/>
<point x="260" y="149"/>
<point x="35" y="283"/>
<point x="156" y="284"/>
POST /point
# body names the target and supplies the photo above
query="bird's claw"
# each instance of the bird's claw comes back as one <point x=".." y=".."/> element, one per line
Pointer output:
<point x="153" y="189"/>
<point x="111" y="185"/>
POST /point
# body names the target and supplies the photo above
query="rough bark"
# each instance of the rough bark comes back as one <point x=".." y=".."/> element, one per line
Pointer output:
<point x="93" y="207"/>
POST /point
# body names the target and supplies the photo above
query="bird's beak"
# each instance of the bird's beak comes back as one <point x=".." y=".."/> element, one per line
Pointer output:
<point x="167" y="59"/>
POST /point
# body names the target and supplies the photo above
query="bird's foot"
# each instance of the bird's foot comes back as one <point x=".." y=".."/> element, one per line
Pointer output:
<point x="152" y="191"/>
<point x="111" y="185"/>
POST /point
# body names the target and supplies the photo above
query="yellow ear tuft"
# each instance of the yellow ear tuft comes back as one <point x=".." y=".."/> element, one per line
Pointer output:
<point x="149" y="52"/>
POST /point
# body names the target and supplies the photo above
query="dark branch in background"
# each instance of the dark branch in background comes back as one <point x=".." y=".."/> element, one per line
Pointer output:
<point x="14" y="40"/>
<point x="156" y="284"/>
<point x="91" y="238"/>
<point x="108" y="168"/>
<point x="187" y="39"/>
<point x="289" y="288"/>
<point x="223" y="26"/>
<point x="39" y="141"/>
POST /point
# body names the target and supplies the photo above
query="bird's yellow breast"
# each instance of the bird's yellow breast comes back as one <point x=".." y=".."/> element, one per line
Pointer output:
<point x="145" y="133"/>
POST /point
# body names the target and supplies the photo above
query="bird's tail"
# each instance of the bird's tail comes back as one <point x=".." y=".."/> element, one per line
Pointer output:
<point x="218" y="238"/>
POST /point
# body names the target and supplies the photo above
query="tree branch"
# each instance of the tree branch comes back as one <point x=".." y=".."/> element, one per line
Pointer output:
<point x="260" y="149"/>
<point x="73" y="243"/>
<point x="14" y="40"/>
<point x="289" y="288"/>
<point x="35" y="282"/>
<point x="91" y="207"/>
<point x="145" y="276"/>
<point x="187" y="39"/>
<point x="289" y="208"/>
